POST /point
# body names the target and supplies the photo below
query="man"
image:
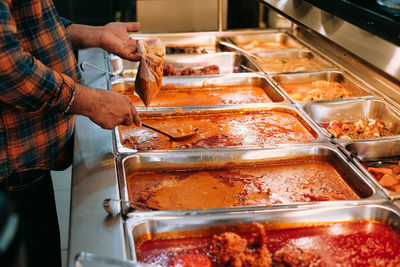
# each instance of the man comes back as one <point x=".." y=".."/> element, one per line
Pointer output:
<point x="39" y="95"/>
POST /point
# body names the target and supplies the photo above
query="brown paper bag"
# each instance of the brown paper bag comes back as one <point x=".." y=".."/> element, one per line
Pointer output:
<point x="149" y="76"/>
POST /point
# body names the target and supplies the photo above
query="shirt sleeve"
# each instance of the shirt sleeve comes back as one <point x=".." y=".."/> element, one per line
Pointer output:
<point x="25" y="82"/>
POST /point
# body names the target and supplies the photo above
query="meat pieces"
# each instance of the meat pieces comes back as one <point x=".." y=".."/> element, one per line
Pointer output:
<point x="388" y="177"/>
<point x="361" y="129"/>
<point x="229" y="249"/>
<point x="294" y="256"/>
<point x="169" y="70"/>
<point x="322" y="89"/>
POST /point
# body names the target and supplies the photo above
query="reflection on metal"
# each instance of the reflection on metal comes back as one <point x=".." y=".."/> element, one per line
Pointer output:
<point x="369" y="47"/>
<point x="220" y="15"/>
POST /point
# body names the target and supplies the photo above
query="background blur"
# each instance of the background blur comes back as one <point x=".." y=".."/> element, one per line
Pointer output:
<point x="171" y="15"/>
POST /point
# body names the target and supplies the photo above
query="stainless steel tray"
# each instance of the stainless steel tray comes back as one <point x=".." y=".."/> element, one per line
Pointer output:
<point x="352" y="110"/>
<point x="382" y="212"/>
<point x="365" y="189"/>
<point x="123" y="150"/>
<point x="187" y="43"/>
<point x="228" y="62"/>
<point x="280" y="55"/>
<point x="375" y="150"/>
<point x="273" y="37"/>
<point x="189" y="83"/>
<point x="331" y="76"/>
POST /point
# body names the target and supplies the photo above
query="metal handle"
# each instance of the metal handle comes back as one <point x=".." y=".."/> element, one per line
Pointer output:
<point x="83" y="257"/>
<point x="98" y="68"/>
<point x="110" y="210"/>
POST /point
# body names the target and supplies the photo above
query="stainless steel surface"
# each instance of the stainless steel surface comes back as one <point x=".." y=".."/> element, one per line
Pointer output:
<point x="94" y="178"/>
<point x="263" y="64"/>
<point x="86" y="259"/>
<point x="202" y="159"/>
<point x="378" y="52"/>
<point x="278" y="37"/>
<point x="359" y="90"/>
<point x="185" y="43"/>
<point x="203" y="81"/>
<point x="385" y="212"/>
<point x="158" y="113"/>
<point x="351" y="111"/>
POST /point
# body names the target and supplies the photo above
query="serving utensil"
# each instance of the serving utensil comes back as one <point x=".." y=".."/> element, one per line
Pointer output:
<point x="99" y="69"/>
<point x="172" y="138"/>
<point x="83" y="258"/>
<point x="107" y="205"/>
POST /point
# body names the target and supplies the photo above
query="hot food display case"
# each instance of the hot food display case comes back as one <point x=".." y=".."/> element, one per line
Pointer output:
<point x="295" y="146"/>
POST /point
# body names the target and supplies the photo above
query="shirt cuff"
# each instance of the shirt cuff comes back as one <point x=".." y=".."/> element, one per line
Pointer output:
<point x="65" y="22"/>
<point x="67" y="93"/>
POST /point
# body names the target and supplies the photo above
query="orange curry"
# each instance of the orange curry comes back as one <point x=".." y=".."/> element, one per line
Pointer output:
<point x="230" y="128"/>
<point x="170" y="95"/>
<point x="269" y="183"/>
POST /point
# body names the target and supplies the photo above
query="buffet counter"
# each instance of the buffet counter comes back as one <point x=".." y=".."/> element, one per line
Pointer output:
<point x="299" y="153"/>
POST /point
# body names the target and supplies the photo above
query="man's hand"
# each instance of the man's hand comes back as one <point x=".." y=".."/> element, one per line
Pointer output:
<point x="112" y="37"/>
<point x="116" y="40"/>
<point x="107" y="109"/>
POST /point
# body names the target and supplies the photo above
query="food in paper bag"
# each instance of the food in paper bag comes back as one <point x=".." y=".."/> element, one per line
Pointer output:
<point x="149" y="76"/>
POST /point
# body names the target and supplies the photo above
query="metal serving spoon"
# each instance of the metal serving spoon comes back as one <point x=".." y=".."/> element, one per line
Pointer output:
<point x="110" y="208"/>
<point x="172" y="138"/>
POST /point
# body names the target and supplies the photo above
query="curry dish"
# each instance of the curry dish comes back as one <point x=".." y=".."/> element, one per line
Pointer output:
<point x="360" y="129"/>
<point x="289" y="64"/>
<point x="358" y="243"/>
<point x="317" y="90"/>
<point x="231" y="128"/>
<point x="170" y="95"/>
<point x="284" y="182"/>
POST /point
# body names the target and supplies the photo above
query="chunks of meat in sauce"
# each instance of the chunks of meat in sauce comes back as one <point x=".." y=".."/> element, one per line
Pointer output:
<point x="169" y="70"/>
<point x="388" y="177"/>
<point x="229" y="249"/>
<point x="294" y="256"/>
<point x="361" y="129"/>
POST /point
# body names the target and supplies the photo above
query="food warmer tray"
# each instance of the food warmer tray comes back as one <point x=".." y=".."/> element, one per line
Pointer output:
<point x="359" y="89"/>
<point x="364" y="151"/>
<point x="122" y="151"/>
<point x="322" y="113"/>
<point x="363" y="187"/>
<point x="141" y="226"/>
<point x="126" y="85"/>
<point x="228" y="62"/>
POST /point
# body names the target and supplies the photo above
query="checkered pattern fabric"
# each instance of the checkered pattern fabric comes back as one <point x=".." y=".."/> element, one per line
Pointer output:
<point x="38" y="72"/>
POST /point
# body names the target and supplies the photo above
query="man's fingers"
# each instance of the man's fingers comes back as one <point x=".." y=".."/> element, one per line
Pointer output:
<point x="128" y="121"/>
<point x="132" y="26"/>
<point x="135" y="116"/>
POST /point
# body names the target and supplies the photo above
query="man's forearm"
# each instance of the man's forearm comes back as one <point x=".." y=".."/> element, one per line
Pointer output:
<point x="84" y="36"/>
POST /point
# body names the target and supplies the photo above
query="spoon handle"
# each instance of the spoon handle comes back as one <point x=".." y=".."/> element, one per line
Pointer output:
<point x="157" y="130"/>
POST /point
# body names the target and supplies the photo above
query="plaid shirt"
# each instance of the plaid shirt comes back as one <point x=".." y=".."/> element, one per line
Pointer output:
<point x="38" y="72"/>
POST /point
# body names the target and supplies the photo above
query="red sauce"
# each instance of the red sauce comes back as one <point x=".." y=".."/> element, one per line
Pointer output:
<point x="362" y="243"/>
